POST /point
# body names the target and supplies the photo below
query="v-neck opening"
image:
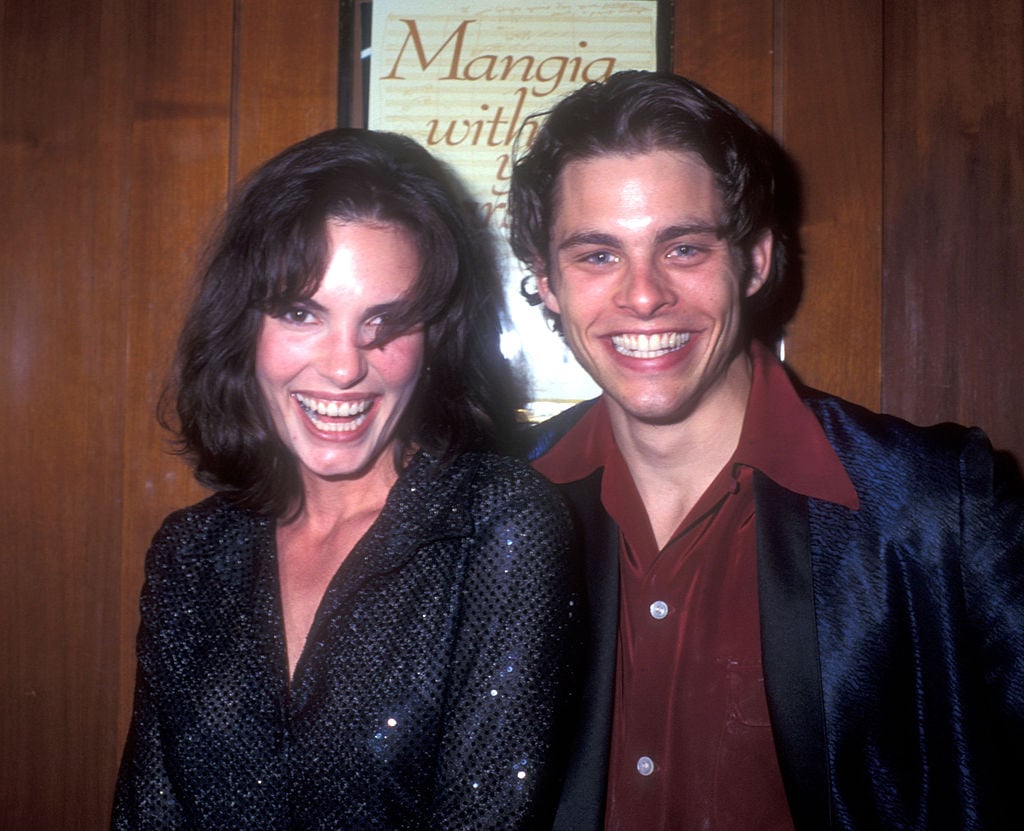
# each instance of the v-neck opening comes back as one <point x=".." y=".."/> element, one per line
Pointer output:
<point x="355" y="559"/>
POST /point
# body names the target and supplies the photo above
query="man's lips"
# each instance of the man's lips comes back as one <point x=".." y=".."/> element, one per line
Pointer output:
<point x="649" y="345"/>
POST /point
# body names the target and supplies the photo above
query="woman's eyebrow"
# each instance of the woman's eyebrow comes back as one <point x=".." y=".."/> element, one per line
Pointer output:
<point x="400" y="303"/>
<point x="309" y="303"/>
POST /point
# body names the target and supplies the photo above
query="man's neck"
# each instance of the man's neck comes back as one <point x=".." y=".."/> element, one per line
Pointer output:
<point x="673" y="464"/>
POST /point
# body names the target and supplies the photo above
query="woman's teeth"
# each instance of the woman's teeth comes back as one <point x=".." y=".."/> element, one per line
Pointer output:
<point x="314" y="408"/>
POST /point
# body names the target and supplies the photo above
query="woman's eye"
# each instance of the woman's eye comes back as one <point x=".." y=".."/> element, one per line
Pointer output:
<point x="375" y="330"/>
<point x="298" y="316"/>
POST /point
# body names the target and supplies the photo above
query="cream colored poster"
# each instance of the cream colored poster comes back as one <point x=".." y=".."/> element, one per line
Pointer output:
<point x="462" y="79"/>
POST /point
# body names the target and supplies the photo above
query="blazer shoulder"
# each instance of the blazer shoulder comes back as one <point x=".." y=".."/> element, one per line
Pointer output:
<point x="877" y="441"/>
<point x="898" y="466"/>
<point x="537" y="439"/>
<point x="209" y="530"/>
<point x="507" y="488"/>
<point x="210" y="515"/>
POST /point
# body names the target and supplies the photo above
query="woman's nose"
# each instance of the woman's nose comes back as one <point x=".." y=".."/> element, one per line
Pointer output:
<point x="341" y="359"/>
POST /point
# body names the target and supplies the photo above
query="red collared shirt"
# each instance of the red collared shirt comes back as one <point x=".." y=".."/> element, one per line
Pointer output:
<point x="691" y="740"/>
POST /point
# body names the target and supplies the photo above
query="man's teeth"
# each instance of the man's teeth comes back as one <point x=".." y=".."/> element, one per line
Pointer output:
<point x="650" y="346"/>
<point x="314" y="407"/>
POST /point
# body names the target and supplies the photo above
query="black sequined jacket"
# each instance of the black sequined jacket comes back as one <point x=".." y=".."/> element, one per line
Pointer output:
<point x="429" y="690"/>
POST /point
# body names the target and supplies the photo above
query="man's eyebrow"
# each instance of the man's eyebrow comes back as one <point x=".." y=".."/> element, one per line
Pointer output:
<point x="690" y="230"/>
<point x="671" y="232"/>
<point x="589" y="238"/>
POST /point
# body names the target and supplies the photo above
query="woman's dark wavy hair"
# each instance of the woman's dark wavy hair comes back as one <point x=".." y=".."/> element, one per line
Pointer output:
<point x="272" y="251"/>
<point x="638" y="112"/>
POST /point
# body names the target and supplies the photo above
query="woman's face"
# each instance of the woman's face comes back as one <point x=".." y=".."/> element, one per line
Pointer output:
<point x="334" y="397"/>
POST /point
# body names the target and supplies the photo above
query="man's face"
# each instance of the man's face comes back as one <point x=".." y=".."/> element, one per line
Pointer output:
<point x="648" y="292"/>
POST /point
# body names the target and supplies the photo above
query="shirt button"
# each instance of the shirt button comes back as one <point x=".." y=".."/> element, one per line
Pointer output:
<point x="659" y="609"/>
<point x="645" y="766"/>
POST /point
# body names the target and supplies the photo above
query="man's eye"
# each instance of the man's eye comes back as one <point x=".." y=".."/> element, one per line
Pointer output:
<point x="599" y="258"/>
<point x="683" y="251"/>
<point x="687" y="252"/>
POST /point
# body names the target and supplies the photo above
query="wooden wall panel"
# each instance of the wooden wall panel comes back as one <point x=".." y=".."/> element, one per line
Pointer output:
<point x="954" y="214"/>
<point x="811" y="73"/>
<point x="828" y="115"/>
<point x="180" y="136"/>
<point x="61" y="245"/>
<point x="122" y="124"/>
<point x="727" y="45"/>
<point x="287" y="84"/>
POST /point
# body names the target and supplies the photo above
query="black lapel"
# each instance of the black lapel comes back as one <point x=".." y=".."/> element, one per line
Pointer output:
<point x="581" y="807"/>
<point x="789" y="647"/>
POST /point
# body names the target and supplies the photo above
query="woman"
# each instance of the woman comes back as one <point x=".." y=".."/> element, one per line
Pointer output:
<point x="368" y="625"/>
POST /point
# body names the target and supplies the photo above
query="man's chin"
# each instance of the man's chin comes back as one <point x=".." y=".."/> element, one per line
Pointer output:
<point x="654" y="411"/>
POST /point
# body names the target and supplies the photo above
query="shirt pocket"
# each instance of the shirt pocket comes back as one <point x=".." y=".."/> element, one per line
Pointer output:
<point x="746" y="700"/>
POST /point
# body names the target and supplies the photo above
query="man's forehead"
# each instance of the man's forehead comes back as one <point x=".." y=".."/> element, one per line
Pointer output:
<point x="591" y="166"/>
<point x="627" y="188"/>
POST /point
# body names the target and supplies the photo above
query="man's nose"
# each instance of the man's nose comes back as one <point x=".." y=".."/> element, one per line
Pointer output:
<point x="645" y="290"/>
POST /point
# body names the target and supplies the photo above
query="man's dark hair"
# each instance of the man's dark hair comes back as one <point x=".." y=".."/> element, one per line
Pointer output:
<point x="636" y="112"/>
<point x="272" y="251"/>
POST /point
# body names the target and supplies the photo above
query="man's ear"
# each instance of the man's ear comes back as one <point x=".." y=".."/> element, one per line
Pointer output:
<point x="544" y="289"/>
<point x="760" y="263"/>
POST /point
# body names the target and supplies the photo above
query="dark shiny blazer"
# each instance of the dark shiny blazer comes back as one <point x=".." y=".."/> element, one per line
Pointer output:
<point x="892" y="636"/>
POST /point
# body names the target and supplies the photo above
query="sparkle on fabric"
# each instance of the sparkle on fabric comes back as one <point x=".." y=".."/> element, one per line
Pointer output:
<point x="428" y="692"/>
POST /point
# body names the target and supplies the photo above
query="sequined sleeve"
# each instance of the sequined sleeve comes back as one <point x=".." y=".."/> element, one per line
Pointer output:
<point x="500" y="756"/>
<point x="145" y="795"/>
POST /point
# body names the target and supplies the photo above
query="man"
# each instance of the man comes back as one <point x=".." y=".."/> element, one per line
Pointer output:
<point x="802" y="614"/>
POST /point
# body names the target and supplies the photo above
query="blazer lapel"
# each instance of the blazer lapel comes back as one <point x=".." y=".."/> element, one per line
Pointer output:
<point x="581" y="807"/>
<point x="789" y="646"/>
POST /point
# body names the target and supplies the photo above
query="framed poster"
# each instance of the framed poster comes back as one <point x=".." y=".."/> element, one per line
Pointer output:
<point x="464" y="79"/>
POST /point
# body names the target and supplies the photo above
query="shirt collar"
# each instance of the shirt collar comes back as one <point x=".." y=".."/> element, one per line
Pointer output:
<point x="587" y="446"/>
<point x="784" y="440"/>
<point x="780" y="437"/>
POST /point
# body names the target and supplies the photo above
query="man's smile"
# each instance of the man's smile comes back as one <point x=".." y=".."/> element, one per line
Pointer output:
<point x="649" y="346"/>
